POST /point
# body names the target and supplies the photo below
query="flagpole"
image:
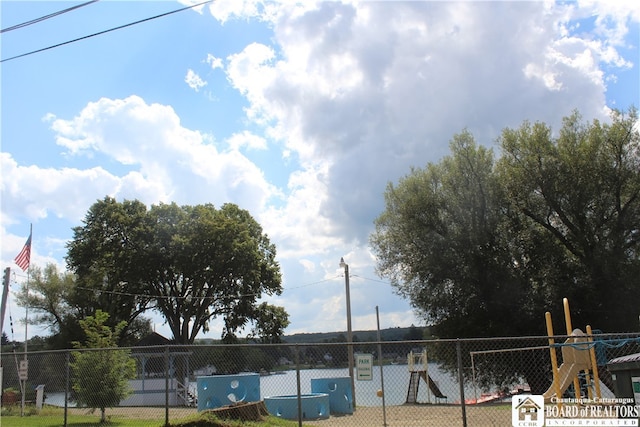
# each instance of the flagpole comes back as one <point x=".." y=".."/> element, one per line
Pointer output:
<point x="26" y="323"/>
<point x="24" y="260"/>
<point x="26" y="307"/>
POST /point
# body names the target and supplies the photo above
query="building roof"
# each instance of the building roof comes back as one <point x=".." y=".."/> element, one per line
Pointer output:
<point x="153" y="339"/>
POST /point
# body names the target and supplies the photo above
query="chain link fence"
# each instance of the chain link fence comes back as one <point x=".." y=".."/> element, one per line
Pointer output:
<point x="464" y="382"/>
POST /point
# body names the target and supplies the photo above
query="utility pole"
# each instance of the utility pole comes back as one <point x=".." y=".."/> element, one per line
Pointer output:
<point x="349" y="331"/>
<point x="6" y="278"/>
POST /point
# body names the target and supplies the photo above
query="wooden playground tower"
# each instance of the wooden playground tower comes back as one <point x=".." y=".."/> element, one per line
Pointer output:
<point x="418" y="368"/>
<point x="578" y="355"/>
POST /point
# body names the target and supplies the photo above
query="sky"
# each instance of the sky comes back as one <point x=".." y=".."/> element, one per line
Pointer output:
<point x="299" y="112"/>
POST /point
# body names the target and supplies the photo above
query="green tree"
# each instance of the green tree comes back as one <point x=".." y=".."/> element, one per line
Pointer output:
<point x="414" y="333"/>
<point x="270" y="323"/>
<point x="189" y="263"/>
<point x="580" y="191"/>
<point x="101" y="374"/>
<point x="206" y="263"/>
<point x="49" y="298"/>
<point x="485" y="248"/>
<point x="108" y="256"/>
<point x="55" y="300"/>
<point x="440" y="242"/>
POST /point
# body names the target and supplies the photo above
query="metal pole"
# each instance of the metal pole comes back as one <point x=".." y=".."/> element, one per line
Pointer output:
<point x="66" y="387"/>
<point x="349" y="331"/>
<point x="6" y="279"/>
<point x="298" y="391"/>
<point x="26" y="362"/>
<point x="384" y="406"/>
<point x="461" y="380"/>
<point x="166" y="385"/>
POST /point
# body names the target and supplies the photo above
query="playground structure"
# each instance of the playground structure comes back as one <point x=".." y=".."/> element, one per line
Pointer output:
<point x="419" y="368"/>
<point x="578" y="356"/>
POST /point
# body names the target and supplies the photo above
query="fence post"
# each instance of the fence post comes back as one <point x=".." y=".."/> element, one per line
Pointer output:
<point x="166" y="385"/>
<point x="298" y="385"/>
<point x="66" y="386"/>
<point x="384" y="405"/>
<point x="461" y="381"/>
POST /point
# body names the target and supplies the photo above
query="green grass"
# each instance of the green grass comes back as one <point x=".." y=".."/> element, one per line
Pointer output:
<point x="54" y="417"/>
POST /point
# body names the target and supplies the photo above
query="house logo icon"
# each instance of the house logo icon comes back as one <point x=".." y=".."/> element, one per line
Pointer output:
<point x="527" y="411"/>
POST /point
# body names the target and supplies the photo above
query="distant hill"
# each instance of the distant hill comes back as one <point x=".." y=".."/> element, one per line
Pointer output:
<point x="391" y="334"/>
<point x="412" y="333"/>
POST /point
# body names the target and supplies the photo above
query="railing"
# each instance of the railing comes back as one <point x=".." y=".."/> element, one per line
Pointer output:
<point x="186" y="396"/>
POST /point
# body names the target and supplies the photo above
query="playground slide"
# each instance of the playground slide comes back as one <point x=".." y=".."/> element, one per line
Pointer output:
<point x="432" y="385"/>
<point x="566" y="373"/>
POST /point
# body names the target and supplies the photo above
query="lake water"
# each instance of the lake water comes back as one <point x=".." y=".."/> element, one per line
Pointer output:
<point x="396" y="382"/>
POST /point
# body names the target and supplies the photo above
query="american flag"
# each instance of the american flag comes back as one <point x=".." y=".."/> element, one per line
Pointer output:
<point x="24" y="257"/>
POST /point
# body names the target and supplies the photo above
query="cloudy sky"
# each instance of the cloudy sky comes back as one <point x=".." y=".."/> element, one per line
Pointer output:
<point x="299" y="113"/>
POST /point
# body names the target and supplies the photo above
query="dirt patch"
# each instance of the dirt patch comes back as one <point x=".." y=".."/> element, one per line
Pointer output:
<point x="419" y="416"/>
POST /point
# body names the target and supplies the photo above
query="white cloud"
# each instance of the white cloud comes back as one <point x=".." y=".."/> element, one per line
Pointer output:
<point x="35" y="193"/>
<point x="247" y="139"/>
<point x="194" y="81"/>
<point x="250" y="72"/>
<point x="214" y="62"/>
<point x="363" y="91"/>
<point x="178" y="163"/>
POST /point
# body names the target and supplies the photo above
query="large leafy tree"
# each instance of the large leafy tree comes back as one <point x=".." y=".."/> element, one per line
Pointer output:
<point x="485" y="248"/>
<point x="580" y="190"/>
<point x="441" y="242"/>
<point x="207" y="263"/>
<point x="190" y="263"/>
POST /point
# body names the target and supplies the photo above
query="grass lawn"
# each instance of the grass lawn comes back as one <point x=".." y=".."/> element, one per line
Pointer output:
<point x="54" y="417"/>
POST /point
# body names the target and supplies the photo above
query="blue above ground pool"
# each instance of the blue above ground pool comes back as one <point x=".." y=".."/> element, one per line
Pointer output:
<point x="339" y="391"/>
<point x="222" y="390"/>
<point x="314" y="406"/>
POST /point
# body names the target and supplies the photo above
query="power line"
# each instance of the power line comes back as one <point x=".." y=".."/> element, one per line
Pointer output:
<point x="372" y="280"/>
<point x="106" y="31"/>
<point x="43" y="18"/>
<point x="184" y="297"/>
<point x="310" y="284"/>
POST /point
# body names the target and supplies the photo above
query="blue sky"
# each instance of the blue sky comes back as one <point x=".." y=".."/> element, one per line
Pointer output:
<point x="299" y="113"/>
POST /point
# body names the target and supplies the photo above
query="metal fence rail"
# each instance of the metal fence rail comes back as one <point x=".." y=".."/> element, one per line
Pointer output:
<point x="463" y="382"/>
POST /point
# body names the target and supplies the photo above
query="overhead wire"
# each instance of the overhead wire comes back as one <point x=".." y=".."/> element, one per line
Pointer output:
<point x="45" y="17"/>
<point x="130" y="294"/>
<point x="106" y="31"/>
